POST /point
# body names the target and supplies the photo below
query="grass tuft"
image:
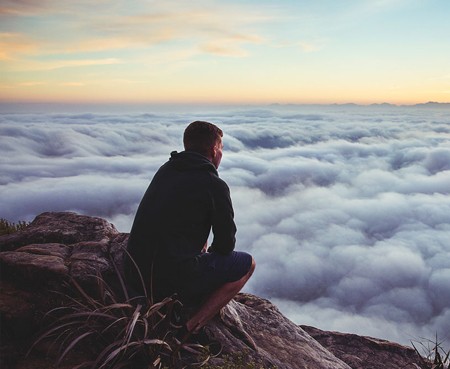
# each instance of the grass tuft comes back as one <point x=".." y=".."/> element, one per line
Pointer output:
<point x="238" y="361"/>
<point x="7" y="227"/>
<point x="111" y="332"/>
<point x="433" y="354"/>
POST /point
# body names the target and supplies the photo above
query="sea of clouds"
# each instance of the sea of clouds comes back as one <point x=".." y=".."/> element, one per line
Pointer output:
<point x="345" y="209"/>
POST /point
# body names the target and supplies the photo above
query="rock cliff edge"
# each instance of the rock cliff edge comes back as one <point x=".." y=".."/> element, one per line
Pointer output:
<point x="58" y="247"/>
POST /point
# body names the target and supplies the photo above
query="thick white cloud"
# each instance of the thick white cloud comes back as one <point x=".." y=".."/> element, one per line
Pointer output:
<point x="346" y="210"/>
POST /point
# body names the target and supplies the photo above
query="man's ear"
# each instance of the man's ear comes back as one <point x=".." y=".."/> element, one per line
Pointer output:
<point x="213" y="151"/>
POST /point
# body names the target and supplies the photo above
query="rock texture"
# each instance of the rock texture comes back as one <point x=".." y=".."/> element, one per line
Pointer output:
<point x="63" y="228"/>
<point x="365" y="352"/>
<point x="255" y="327"/>
<point x="58" y="247"/>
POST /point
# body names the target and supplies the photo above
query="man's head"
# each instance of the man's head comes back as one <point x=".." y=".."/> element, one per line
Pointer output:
<point x="204" y="138"/>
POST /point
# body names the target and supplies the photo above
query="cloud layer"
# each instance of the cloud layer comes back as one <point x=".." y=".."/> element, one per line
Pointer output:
<point x="346" y="210"/>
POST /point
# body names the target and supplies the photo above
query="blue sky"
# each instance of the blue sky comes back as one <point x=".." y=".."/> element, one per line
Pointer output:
<point x="235" y="51"/>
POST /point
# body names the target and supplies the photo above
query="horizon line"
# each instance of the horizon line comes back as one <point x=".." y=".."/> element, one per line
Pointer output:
<point x="224" y="103"/>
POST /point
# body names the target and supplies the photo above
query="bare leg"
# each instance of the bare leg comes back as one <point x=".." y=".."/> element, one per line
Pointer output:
<point x="217" y="300"/>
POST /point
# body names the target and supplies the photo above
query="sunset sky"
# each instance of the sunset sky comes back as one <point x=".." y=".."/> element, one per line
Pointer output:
<point x="265" y="51"/>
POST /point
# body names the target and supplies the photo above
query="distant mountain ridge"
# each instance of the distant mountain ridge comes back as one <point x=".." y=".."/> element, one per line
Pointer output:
<point x="429" y="104"/>
<point x="35" y="107"/>
<point x="433" y="104"/>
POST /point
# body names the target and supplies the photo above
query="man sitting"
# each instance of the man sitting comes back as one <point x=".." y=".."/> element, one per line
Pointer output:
<point x="168" y="241"/>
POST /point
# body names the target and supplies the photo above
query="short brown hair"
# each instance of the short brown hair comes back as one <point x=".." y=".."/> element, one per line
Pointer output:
<point x="201" y="136"/>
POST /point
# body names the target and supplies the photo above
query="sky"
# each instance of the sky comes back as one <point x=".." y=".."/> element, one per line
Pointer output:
<point x="251" y="52"/>
<point x="346" y="210"/>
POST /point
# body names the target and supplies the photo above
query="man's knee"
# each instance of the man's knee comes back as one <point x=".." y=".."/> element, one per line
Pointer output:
<point x="251" y="270"/>
<point x="252" y="267"/>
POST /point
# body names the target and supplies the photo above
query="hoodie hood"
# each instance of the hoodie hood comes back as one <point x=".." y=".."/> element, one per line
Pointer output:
<point x="189" y="160"/>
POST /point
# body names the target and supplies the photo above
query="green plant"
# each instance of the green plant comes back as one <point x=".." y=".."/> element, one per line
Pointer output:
<point x="115" y="333"/>
<point x="434" y="356"/>
<point x="7" y="227"/>
<point x="237" y="361"/>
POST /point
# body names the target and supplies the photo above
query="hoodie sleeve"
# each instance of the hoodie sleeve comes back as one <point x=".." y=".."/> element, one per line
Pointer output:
<point x="223" y="226"/>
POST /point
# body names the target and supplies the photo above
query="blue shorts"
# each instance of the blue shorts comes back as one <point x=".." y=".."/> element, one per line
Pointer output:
<point x="213" y="270"/>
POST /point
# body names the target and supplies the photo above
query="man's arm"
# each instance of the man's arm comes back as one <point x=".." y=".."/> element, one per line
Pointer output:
<point x="223" y="226"/>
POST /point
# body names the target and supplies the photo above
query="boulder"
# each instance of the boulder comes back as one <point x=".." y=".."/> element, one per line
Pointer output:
<point x="362" y="352"/>
<point x="37" y="263"/>
<point x="255" y="327"/>
<point x="62" y="227"/>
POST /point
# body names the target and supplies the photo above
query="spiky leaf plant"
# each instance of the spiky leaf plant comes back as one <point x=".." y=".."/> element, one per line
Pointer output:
<point x="435" y="355"/>
<point x="116" y="333"/>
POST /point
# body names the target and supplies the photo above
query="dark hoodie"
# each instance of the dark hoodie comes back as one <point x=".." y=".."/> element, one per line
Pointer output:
<point x="183" y="201"/>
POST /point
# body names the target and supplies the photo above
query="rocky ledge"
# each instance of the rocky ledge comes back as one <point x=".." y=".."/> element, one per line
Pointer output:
<point x="58" y="247"/>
